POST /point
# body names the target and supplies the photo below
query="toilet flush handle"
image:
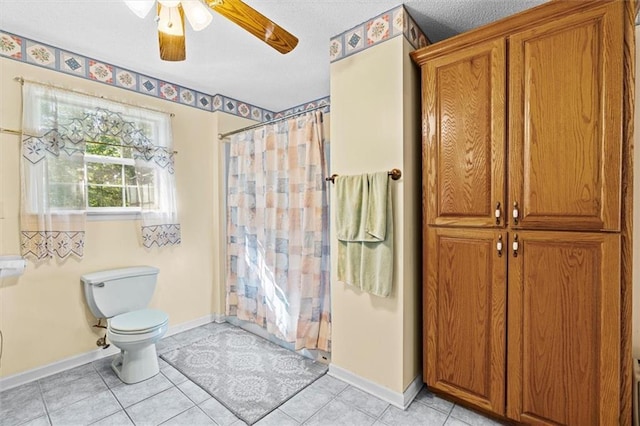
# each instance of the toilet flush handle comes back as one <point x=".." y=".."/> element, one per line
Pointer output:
<point x="99" y="284"/>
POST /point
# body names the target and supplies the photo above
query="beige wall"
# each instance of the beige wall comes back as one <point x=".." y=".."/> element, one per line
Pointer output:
<point x="373" y="128"/>
<point x="636" y="214"/>
<point x="412" y="257"/>
<point x="43" y="315"/>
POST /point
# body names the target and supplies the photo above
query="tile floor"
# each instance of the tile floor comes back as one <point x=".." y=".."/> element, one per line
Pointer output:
<point x="92" y="394"/>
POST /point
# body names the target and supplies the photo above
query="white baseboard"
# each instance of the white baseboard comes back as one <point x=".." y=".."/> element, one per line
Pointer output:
<point x="400" y="400"/>
<point x="55" y="367"/>
<point x="93" y="355"/>
<point x="412" y="391"/>
<point x="219" y="318"/>
<point x="179" y="328"/>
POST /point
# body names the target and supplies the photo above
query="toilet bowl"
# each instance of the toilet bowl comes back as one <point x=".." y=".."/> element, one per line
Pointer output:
<point x="121" y="296"/>
<point x="136" y="334"/>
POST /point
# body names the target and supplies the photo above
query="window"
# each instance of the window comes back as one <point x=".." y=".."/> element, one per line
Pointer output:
<point x="85" y="154"/>
<point x="110" y="177"/>
<point x="114" y="183"/>
<point x="108" y="180"/>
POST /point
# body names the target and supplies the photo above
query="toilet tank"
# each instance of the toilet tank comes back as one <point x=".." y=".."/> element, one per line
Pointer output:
<point x="116" y="291"/>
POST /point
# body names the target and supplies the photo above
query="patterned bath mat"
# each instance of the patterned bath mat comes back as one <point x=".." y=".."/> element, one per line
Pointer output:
<point x="246" y="373"/>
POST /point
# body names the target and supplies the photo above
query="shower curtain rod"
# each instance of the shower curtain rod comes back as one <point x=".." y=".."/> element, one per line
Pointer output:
<point x="221" y="136"/>
<point x="23" y="80"/>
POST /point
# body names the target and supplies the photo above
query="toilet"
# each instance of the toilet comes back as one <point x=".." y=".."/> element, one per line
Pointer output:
<point x="121" y="296"/>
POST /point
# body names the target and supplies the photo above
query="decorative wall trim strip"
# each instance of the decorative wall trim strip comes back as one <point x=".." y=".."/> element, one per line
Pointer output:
<point x="303" y="107"/>
<point x="33" y="52"/>
<point x="378" y="29"/>
<point x="400" y="400"/>
<point x="383" y="27"/>
<point x="93" y="355"/>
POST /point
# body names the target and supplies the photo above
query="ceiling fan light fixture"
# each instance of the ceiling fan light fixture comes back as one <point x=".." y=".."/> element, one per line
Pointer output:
<point x="197" y="14"/>
<point x="169" y="3"/>
<point x="140" y="7"/>
<point x="171" y="27"/>
<point x="170" y="21"/>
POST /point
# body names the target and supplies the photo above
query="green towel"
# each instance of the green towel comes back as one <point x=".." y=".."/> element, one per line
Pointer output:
<point x="364" y="227"/>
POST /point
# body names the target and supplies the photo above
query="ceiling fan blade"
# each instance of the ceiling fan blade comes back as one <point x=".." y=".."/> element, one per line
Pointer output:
<point x="256" y="23"/>
<point x="171" y="33"/>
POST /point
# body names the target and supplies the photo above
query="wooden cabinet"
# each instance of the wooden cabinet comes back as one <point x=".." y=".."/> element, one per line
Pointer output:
<point x="564" y="329"/>
<point x="464" y="103"/>
<point x="565" y="121"/>
<point x="523" y="204"/>
<point x="464" y="315"/>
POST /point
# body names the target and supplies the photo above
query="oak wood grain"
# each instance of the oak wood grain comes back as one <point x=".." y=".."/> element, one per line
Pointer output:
<point x="591" y="42"/>
<point x="464" y="135"/>
<point x="255" y="23"/>
<point x="565" y="121"/>
<point x="564" y="329"/>
<point x="626" y="291"/>
<point x="465" y="319"/>
<point x="504" y="27"/>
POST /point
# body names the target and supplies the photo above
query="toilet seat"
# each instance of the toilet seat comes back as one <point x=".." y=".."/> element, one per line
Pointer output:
<point x="138" y="322"/>
<point x="138" y="359"/>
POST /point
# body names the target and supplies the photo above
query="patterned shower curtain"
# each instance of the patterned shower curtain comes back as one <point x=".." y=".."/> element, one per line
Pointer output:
<point x="277" y="231"/>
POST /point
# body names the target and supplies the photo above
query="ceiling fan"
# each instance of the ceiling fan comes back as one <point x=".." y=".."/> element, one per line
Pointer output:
<point x="171" y="29"/>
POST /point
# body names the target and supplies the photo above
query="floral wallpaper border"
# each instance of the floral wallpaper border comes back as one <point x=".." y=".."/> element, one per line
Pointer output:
<point x="392" y="23"/>
<point x="33" y="52"/>
<point x="308" y="105"/>
<point x="385" y="26"/>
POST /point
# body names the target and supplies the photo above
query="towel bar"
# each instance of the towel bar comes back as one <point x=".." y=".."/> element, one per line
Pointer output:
<point x="394" y="173"/>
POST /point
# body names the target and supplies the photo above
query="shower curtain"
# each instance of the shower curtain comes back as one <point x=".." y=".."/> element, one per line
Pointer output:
<point x="277" y="231"/>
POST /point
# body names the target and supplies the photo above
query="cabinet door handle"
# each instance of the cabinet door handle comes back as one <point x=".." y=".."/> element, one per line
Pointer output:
<point x="515" y="246"/>
<point x="498" y="213"/>
<point x="499" y="246"/>
<point x="515" y="213"/>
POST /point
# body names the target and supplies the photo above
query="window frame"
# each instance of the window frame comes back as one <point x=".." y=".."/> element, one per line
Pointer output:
<point x="105" y="159"/>
<point x="150" y="125"/>
<point x="122" y="212"/>
<point x="111" y="210"/>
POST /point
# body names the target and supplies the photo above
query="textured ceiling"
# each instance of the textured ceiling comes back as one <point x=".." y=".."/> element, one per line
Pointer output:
<point x="225" y="59"/>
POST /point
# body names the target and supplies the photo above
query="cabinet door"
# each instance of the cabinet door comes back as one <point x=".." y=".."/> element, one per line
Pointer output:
<point x="464" y="315"/>
<point x="565" y="121"/>
<point x="464" y="135"/>
<point x="564" y="328"/>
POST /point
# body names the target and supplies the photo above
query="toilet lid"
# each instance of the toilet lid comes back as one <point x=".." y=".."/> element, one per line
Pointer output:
<point x="138" y="321"/>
